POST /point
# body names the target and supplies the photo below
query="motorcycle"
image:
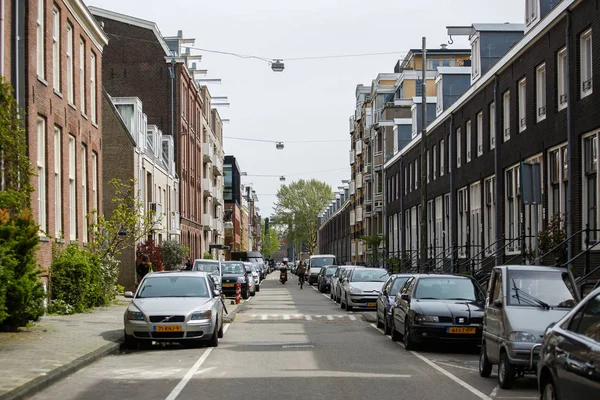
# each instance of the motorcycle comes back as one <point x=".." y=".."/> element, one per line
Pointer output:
<point x="283" y="277"/>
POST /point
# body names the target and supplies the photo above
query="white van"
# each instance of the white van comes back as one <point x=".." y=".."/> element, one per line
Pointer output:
<point x="315" y="264"/>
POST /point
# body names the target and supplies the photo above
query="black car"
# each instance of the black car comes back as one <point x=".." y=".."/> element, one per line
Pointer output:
<point x="442" y="308"/>
<point x="235" y="272"/>
<point x="324" y="279"/>
<point x="569" y="364"/>
<point x="387" y="299"/>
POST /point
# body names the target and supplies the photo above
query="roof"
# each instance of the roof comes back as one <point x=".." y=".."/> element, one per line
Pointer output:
<point x="207" y="261"/>
<point x="454" y="70"/>
<point x="441" y="51"/>
<point x="505" y="27"/>
<point x="178" y="273"/>
<point x="532" y="268"/>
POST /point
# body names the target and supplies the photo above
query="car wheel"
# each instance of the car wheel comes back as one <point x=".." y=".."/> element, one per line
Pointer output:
<point x="409" y="344"/>
<point x="549" y="391"/>
<point x="342" y="303"/>
<point x="506" y="373"/>
<point x="348" y="306"/>
<point x="331" y="294"/>
<point x="253" y="293"/>
<point x="214" y="339"/>
<point x="221" y="332"/>
<point x="258" y="288"/>
<point x="379" y="322"/>
<point x="337" y="298"/>
<point x="395" y="334"/>
<point x="246" y="294"/>
<point x="130" y="342"/>
<point x="386" y="326"/>
<point x="485" y="366"/>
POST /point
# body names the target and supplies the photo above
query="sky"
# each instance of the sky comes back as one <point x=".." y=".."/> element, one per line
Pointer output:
<point x="311" y="100"/>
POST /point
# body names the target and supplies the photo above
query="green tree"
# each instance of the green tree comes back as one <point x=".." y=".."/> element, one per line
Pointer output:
<point x="173" y="253"/>
<point x="297" y="208"/>
<point x="21" y="292"/>
<point x="270" y="242"/>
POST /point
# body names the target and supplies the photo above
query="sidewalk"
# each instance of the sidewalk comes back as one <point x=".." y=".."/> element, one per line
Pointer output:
<point x="60" y="345"/>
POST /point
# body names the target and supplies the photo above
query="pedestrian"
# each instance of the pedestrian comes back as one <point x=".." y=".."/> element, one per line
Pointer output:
<point x="301" y="273"/>
<point x="188" y="265"/>
<point x="144" y="267"/>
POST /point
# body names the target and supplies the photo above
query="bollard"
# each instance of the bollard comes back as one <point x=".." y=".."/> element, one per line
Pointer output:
<point x="238" y="292"/>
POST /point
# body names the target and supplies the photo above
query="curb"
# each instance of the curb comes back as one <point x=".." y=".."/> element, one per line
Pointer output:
<point x="369" y="317"/>
<point x="231" y="316"/>
<point x="42" y="382"/>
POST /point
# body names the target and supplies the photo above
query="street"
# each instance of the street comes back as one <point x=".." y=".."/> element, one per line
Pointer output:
<point x="290" y="343"/>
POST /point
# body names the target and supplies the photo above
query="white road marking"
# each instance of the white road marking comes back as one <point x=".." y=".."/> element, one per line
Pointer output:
<point x="330" y="317"/>
<point x="352" y="317"/>
<point x="184" y="381"/>
<point x="455" y="366"/>
<point x="308" y="317"/>
<point x="443" y="371"/>
<point x="264" y="317"/>
<point x="495" y="391"/>
<point x="286" y="317"/>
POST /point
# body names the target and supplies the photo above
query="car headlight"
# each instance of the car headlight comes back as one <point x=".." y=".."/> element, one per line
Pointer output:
<point x="241" y="279"/>
<point x="355" y="290"/>
<point x="202" y="315"/>
<point x="135" y="315"/>
<point x="523" y="337"/>
<point x="426" y="318"/>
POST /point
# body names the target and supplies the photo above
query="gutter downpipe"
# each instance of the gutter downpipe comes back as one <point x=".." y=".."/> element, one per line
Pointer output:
<point x="497" y="174"/>
<point x="570" y="139"/>
<point x="451" y="168"/>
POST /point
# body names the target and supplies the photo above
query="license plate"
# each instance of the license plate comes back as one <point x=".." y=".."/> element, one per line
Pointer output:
<point x="168" y="328"/>
<point x="228" y="285"/>
<point x="371" y="304"/>
<point x="462" y="331"/>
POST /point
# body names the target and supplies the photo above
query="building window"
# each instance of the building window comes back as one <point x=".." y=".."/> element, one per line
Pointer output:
<point x="41" y="174"/>
<point x="440" y="96"/>
<point x="490" y="215"/>
<point x="586" y="63"/>
<point x="540" y="92"/>
<point x="41" y="39"/>
<point x="590" y="183"/>
<point x="414" y="231"/>
<point x="58" y="229"/>
<point x="522" y="104"/>
<point x="492" y="126"/>
<point x="531" y="11"/>
<point x="458" y="148"/>
<point x="475" y="59"/>
<point x="479" y="133"/>
<point x="506" y="114"/>
<point x="434" y="161"/>
<point x="72" y="191"/>
<point x="70" y="65"/>
<point x="513" y="208"/>
<point x="428" y="166"/>
<point x="468" y="133"/>
<point x="407" y="233"/>
<point x="475" y="219"/>
<point x="438" y="235"/>
<point x="93" y="88"/>
<point x="446" y="231"/>
<point x="430" y="229"/>
<point x="84" y="192"/>
<point x="463" y="212"/>
<point x="406" y="180"/>
<point x="442" y="161"/>
<point x="417" y="176"/>
<point x="56" y="48"/>
<point x="561" y="70"/>
<point x="82" y="75"/>
<point x="411" y="177"/>
<point x="415" y="129"/>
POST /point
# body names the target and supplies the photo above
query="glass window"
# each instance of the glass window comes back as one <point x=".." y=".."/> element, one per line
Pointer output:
<point x="397" y="285"/>
<point x="72" y="191"/>
<point x="458" y="148"/>
<point x="533" y="288"/>
<point x="561" y="70"/>
<point x="522" y="104"/>
<point x="590" y="188"/>
<point x="587" y="321"/>
<point x="57" y="182"/>
<point x="586" y="63"/>
<point x="84" y="192"/>
<point x="497" y="287"/>
<point x="447" y="289"/>
<point x="492" y="126"/>
<point x="70" y="65"/>
<point x="442" y="160"/>
<point x="468" y="143"/>
<point x="93" y="88"/>
<point x="540" y="92"/>
<point x="173" y="286"/>
<point x="41" y="173"/>
<point x="506" y="114"/>
<point x="82" y="75"/>
<point x="479" y="133"/>
<point x="321" y="261"/>
<point x="41" y="39"/>
<point x="56" y="48"/>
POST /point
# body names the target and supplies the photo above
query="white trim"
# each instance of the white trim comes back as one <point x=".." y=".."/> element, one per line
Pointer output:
<point x="585" y="76"/>
<point x="522" y="104"/>
<point x="561" y="72"/>
<point x="87" y="22"/>
<point x="541" y="78"/>
<point x="403" y="121"/>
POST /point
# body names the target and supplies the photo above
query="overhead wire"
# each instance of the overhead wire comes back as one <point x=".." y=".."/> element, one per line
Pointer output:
<point x="283" y="141"/>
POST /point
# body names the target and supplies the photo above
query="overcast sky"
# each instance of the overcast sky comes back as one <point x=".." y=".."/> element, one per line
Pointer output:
<point x="310" y="100"/>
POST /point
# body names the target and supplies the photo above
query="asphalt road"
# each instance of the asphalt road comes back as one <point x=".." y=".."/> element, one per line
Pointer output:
<point x="293" y="344"/>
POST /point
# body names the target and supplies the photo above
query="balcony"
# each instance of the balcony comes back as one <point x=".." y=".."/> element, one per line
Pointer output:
<point x="378" y="161"/>
<point x="217" y="166"/>
<point x="352" y="157"/>
<point x="360" y="247"/>
<point x="207" y="187"/>
<point x="207" y="222"/>
<point x="359" y="147"/>
<point x="218" y="196"/>
<point x="176" y="223"/>
<point x="208" y="152"/>
<point x="368" y="177"/>
<point x="352" y="218"/>
<point x="359" y="214"/>
<point x="353" y="249"/>
<point x="352" y="119"/>
<point x="359" y="181"/>
<point x="352" y="188"/>
<point x="217" y="225"/>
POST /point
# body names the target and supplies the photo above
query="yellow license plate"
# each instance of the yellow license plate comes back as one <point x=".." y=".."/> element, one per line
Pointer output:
<point x="228" y="284"/>
<point x="168" y="328"/>
<point x="371" y="304"/>
<point x="462" y="331"/>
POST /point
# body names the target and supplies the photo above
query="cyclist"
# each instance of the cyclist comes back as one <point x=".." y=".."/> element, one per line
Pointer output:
<point x="301" y="273"/>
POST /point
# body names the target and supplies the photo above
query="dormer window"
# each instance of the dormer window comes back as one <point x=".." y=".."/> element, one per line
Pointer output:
<point x="532" y="12"/>
<point x="415" y="129"/>
<point x="475" y="58"/>
<point x="439" y="95"/>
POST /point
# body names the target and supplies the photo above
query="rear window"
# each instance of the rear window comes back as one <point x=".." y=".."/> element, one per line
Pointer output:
<point x="447" y="289"/>
<point x="370" y="275"/>
<point x="330" y="271"/>
<point x="321" y="261"/>
<point x="209" y="267"/>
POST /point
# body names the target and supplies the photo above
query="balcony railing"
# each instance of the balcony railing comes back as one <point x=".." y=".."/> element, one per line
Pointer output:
<point x="207" y="222"/>
<point x="207" y="186"/>
<point x="352" y="188"/>
<point x="352" y="157"/>
<point x="359" y="214"/>
<point x="359" y="147"/>
<point x="208" y="152"/>
<point x="359" y="181"/>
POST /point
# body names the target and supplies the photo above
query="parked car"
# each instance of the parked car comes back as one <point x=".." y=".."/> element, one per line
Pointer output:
<point x="174" y="307"/>
<point x="211" y="267"/>
<point x="256" y="275"/>
<point x="361" y="287"/>
<point x="438" y="308"/>
<point x="336" y="281"/>
<point x="522" y="301"/>
<point x="569" y="364"/>
<point x="235" y="272"/>
<point x="386" y="301"/>
<point x="324" y="279"/>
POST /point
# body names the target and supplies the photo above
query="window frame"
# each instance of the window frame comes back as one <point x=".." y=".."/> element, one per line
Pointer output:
<point x="458" y="147"/>
<point x="41" y="39"/>
<point x="540" y="92"/>
<point x="82" y="77"/>
<point x="468" y="143"/>
<point x="479" y="119"/>
<point x="56" y="67"/>
<point x="72" y="188"/>
<point x="492" y="121"/>
<point x="561" y="79"/>
<point x="522" y="100"/>
<point x="442" y="154"/>
<point x="58" y="220"/>
<point x="70" y="64"/>
<point x="586" y="61"/>
<point x="42" y="182"/>
<point x="506" y="115"/>
<point x="93" y="88"/>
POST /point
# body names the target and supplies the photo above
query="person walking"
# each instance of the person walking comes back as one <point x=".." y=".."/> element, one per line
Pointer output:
<point x="144" y="267"/>
<point x="188" y="265"/>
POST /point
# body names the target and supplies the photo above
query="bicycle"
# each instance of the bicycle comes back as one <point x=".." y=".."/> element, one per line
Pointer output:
<point x="301" y="278"/>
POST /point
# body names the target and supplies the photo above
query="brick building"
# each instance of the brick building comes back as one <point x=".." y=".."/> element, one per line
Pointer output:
<point x="534" y="103"/>
<point x="56" y="71"/>
<point x="335" y="229"/>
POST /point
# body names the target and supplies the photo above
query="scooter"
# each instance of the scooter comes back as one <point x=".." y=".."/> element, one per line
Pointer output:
<point x="283" y="277"/>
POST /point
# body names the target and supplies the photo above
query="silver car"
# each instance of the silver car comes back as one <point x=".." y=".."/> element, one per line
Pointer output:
<point x="337" y="279"/>
<point x="212" y="268"/>
<point x="174" y="307"/>
<point x="255" y="274"/>
<point x="361" y="287"/>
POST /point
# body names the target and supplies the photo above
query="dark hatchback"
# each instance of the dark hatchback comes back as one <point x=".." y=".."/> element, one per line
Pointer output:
<point x="324" y="279"/>
<point x="438" y="308"/>
<point x="569" y="365"/>
<point x="387" y="299"/>
<point x="235" y="272"/>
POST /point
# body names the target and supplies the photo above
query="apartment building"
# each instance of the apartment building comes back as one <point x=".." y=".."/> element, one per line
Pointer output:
<point x="135" y="150"/>
<point x="232" y="194"/>
<point x="335" y="228"/>
<point x="52" y="55"/>
<point x="161" y="72"/>
<point x="532" y="102"/>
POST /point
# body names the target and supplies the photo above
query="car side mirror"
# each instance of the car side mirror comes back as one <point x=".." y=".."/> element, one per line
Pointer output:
<point x="498" y="303"/>
<point x="217" y="293"/>
<point x="405" y="296"/>
<point x="385" y="292"/>
<point x="128" y="294"/>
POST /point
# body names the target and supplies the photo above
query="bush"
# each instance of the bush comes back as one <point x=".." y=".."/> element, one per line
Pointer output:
<point x="77" y="279"/>
<point x="207" y="256"/>
<point x="109" y="275"/>
<point x="173" y="253"/>
<point x="60" y="307"/>
<point x="152" y="251"/>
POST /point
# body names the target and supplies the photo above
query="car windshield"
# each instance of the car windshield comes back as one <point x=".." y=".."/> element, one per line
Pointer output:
<point x="321" y="261"/>
<point x="210" y="267"/>
<point x="173" y="286"/>
<point x="539" y="288"/>
<point x="397" y="285"/>
<point x="447" y="289"/>
<point x="330" y="271"/>
<point x="233" y="268"/>
<point x="370" y="275"/>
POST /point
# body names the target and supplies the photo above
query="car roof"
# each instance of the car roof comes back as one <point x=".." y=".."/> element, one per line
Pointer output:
<point x="207" y="261"/>
<point x="194" y="274"/>
<point x="322" y="255"/>
<point x="401" y="275"/>
<point x="370" y="269"/>
<point x="531" y="268"/>
<point x="426" y="276"/>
